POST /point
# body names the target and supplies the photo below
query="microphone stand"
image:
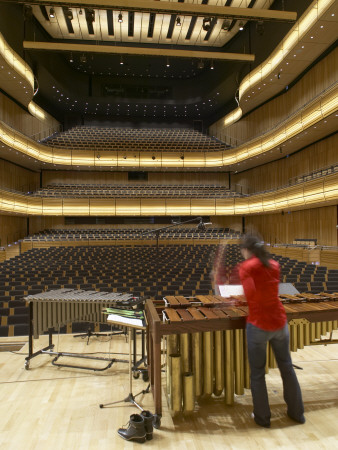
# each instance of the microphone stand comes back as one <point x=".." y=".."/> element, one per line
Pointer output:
<point x="157" y="231"/>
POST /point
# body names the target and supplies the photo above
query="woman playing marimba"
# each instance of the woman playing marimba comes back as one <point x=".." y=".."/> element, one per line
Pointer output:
<point x="267" y="322"/>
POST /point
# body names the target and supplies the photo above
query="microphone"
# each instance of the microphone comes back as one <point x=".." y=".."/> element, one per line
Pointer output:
<point x="201" y="226"/>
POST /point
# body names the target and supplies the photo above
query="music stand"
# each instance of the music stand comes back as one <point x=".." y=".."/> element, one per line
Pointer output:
<point x="131" y="397"/>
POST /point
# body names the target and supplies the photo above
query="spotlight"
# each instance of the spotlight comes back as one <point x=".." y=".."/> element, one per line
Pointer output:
<point x="226" y="24"/>
<point x="71" y="58"/>
<point x="241" y="26"/>
<point x="120" y="18"/>
<point x="212" y="65"/>
<point x="90" y="15"/>
<point x="206" y="24"/>
<point x="121" y="60"/>
<point x="83" y="58"/>
<point x="168" y="63"/>
<point x="200" y="64"/>
<point x="178" y="21"/>
<point x="27" y="12"/>
<point x="69" y="13"/>
<point x="260" y="27"/>
<point x="52" y="13"/>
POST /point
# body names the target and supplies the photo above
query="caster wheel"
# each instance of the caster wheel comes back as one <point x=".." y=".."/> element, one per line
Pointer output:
<point x="136" y="375"/>
<point x="145" y="376"/>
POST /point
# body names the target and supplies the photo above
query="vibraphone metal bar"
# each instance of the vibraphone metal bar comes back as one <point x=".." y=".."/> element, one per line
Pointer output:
<point x="202" y="324"/>
<point x="53" y="309"/>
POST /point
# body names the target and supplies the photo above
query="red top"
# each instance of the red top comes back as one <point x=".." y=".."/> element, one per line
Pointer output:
<point x="260" y="286"/>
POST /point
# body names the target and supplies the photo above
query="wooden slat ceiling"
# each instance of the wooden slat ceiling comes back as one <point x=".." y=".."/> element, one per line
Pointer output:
<point x="142" y="27"/>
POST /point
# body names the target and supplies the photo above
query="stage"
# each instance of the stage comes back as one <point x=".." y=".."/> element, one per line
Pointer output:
<point x="58" y="408"/>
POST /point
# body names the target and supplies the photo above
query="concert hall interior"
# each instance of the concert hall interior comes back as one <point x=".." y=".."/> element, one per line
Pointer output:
<point x="140" y="141"/>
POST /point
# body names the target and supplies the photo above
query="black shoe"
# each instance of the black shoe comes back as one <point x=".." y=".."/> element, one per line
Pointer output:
<point x="136" y="430"/>
<point x="148" y="418"/>
<point x="300" y="420"/>
<point x="265" y="425"/>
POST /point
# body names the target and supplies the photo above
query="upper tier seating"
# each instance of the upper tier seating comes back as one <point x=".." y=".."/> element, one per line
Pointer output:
<point x="134" y="139"/>
<point x="134" y="190"/>
<point x="133" y="233"/>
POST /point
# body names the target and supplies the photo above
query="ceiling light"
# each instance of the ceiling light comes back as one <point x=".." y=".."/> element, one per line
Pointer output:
<point x="69" y="14"/>
<point x="52" y="13"/>
<point x="226" y="24"/>
<point x="260" y="27"/>
<point x="241" y="26"/>
<point x="178" y="21"/>
<point x="80" y="12"/>
<point x="168" y="63"/>
<point x="200" y="64"/>
<point x="120" y="18"/>
<point x="206" y="24"/>
<point x="212" y="65"/>
<point x="121" y="60"/>
<point x="90" y="15"/>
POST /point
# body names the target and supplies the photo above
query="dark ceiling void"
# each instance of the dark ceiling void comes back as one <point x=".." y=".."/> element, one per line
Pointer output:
<point x="94" y="85"/>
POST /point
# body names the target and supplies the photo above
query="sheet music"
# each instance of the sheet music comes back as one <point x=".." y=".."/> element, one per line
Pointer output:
<point x="227" y="290"/>
<point x="125" y="320"/>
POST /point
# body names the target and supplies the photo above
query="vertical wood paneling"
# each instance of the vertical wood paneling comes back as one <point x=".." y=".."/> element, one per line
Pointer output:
<point x="278" y="173"/>
<point x="12" y="228"/>
<point x="319" y="77"/>
<point x="316" y="223"/>
<point x="37" y="224"/>
<point x="18" y="178"/>
<point x="23" y="121"/>
<point x="77" y="177"/>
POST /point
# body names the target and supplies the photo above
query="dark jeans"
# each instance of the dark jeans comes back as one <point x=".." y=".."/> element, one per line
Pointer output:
<point x="279" y="340"/>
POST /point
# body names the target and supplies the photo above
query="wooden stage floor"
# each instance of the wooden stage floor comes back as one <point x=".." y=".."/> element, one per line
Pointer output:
<point x="47" y="407"/>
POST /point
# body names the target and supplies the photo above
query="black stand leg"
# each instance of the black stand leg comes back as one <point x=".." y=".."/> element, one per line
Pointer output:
<point x="131" y="397"/>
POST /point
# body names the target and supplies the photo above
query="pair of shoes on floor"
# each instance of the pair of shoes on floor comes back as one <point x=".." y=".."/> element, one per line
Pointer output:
<point x="140" y="428"/>
<point x="265" y="425"/>
<point x="301" y="419"/>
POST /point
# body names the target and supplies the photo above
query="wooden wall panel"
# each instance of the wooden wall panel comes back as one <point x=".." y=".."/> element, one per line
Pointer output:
<point x="37" y="224"/>
<point x="278" y="173"/>
<point x="16" y="117"/>
<point x="77" y="177"/>
<point x="12" y="228"/>
<point x="83" y="177"/>
<point x="179" y="178"/>
<point x="18" y="178"/>
<point x="232" y="222"/>
<point x="316" y="223"/>
<point x="261" y="120"/>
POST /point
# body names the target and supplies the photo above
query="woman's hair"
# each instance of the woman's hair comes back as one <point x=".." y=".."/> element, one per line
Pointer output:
<point x="256" y="246"/>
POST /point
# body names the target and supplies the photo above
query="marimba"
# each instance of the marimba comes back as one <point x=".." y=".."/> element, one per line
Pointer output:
<point x="206" y="343"/>
<point x="51" y="310"/>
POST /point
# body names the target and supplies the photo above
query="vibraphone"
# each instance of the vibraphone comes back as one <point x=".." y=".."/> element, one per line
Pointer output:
<point x="206" y="343"/>
<point x="51" y="310"/>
